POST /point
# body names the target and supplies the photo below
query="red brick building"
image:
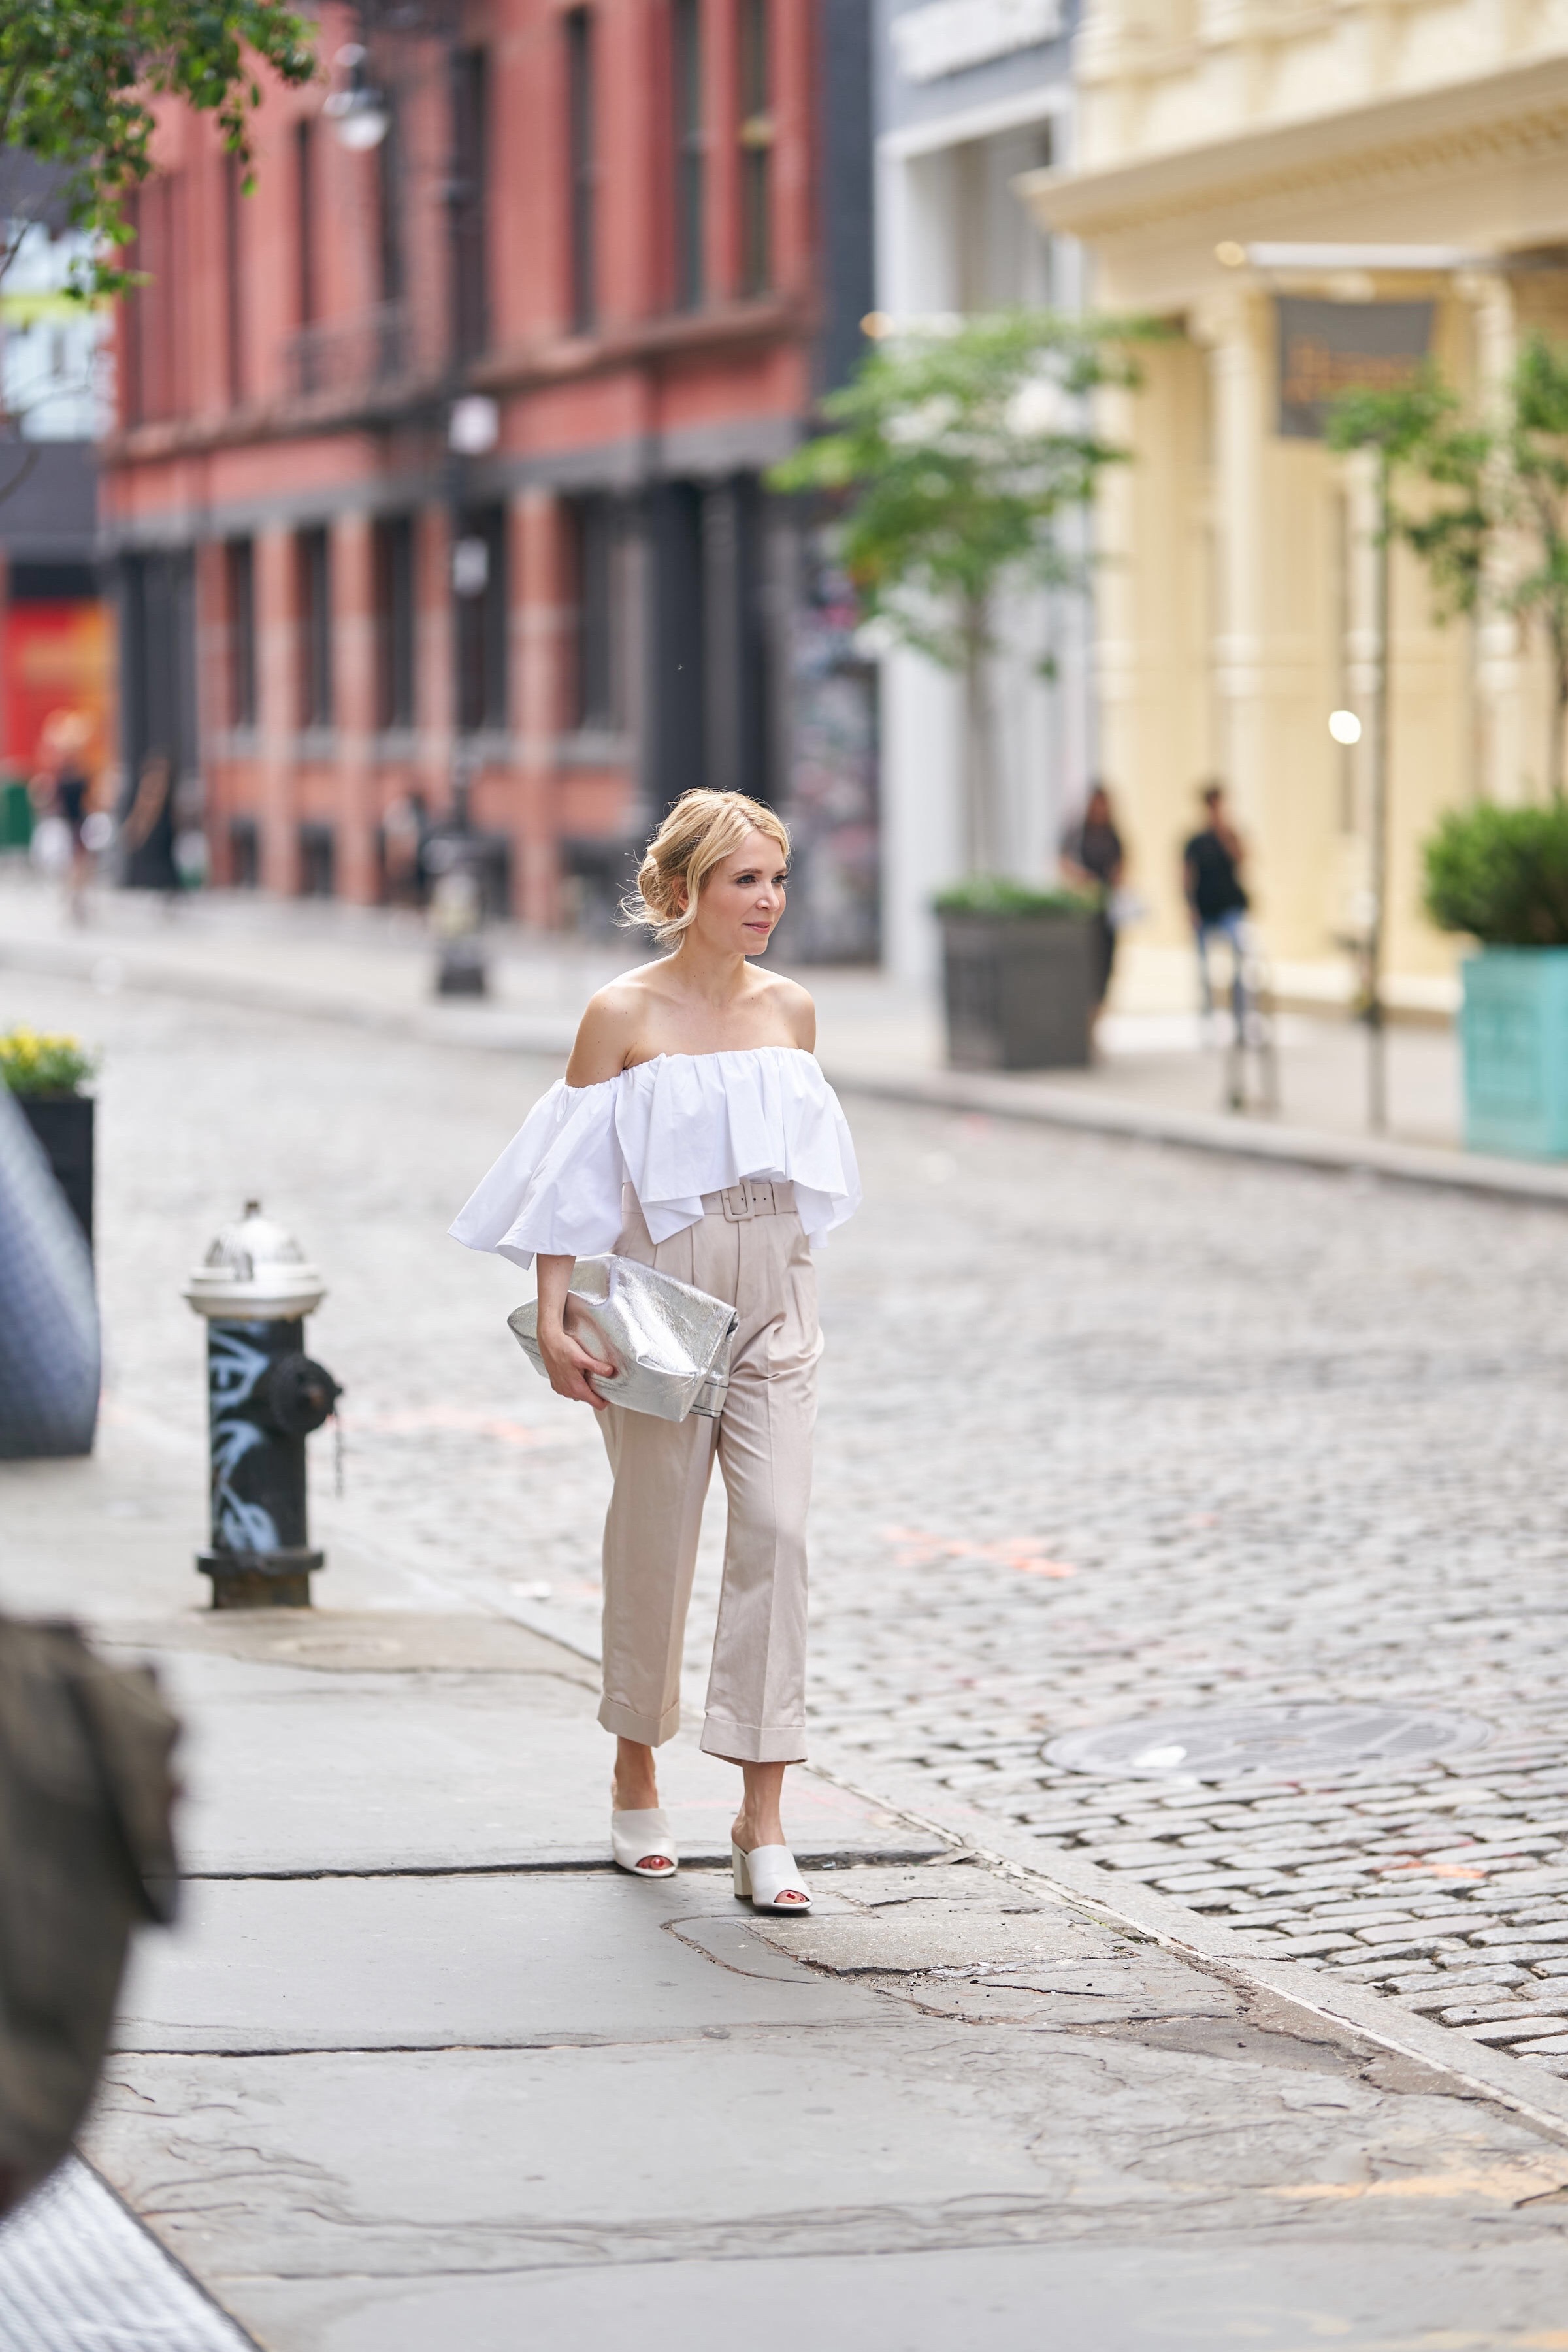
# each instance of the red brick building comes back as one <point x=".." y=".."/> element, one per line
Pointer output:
<point x="441" y="456"/>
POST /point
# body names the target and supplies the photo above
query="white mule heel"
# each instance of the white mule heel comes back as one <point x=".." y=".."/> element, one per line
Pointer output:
<point x="765" y="1874"/>
<point x="641" y="1839"/>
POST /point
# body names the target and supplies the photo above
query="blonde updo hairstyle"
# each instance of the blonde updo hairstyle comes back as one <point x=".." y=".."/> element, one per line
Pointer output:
<point x="701" y="830"/>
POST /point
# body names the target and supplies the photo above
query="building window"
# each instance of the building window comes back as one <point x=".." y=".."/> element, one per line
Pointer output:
<point x="314" y="605"/>
<point x="690" y="226"/>
<point x="133" y="319"/>
<point x="156" y="308"/>
<point x="244" y="853"/>
<point x="478" y="587"/>
<point x="756" y="140"/>
<point x="239" y="596"/>
<point x="316" y="861"/>
<point x="391" y="354"/>
<point x="389" y="205"/>
<point x="305" y="222"/>
<point x="394" y="622"/>
<point x="467" y="199"/>
<point x="232" y="262"/>
<point x="579" y="151"/>
<point x="596" y="549"/>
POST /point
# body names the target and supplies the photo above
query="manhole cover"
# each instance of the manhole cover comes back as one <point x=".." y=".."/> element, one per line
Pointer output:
<point x="1284" y="1743"/>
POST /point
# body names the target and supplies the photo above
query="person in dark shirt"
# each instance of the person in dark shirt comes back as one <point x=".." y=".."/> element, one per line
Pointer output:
<point x="1094" y="858"/>
<point x="1211" y="879"/>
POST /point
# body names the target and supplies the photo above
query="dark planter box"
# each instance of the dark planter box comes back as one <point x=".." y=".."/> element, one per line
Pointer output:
<point x="63" y="1125"/>
<point x="1019" y="990"/>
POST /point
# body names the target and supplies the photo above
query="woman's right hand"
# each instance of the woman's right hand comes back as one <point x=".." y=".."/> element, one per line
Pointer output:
<point x="569" y="1365"/>
<point x="567" y="1362"/>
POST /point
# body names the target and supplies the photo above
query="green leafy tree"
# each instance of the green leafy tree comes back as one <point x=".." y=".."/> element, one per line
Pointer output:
<point x="80" y="80"/>
<point x="958" y="451"/>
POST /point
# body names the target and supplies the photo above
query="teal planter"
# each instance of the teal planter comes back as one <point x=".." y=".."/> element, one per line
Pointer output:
<point x="1514" y="1030"/>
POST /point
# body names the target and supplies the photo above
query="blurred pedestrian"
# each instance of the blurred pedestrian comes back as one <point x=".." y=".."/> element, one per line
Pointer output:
<point x="1094" y="858"/>
<point x="1212" y="861"/>
<point x="403" y="831"/>
<point x="147" y="834"/>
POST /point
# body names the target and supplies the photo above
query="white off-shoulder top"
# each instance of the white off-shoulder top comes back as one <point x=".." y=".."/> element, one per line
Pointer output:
<point x="674" y="1129"/>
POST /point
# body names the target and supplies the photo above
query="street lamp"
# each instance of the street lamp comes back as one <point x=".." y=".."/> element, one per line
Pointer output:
<point x="358" y="113"/>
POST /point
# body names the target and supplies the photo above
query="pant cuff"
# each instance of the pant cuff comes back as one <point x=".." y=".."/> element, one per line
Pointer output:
<point x="651" y="1730"/>
<point x="753" y="1743"/>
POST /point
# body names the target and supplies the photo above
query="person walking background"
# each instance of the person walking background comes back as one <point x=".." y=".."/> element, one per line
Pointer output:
<point x="1212" y="861"/>
<point x="695" y="1133"/>
<point x="1093" y="857"/>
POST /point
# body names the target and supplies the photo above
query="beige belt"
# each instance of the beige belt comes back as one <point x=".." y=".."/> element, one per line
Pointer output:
<point x="754" y="1196"/>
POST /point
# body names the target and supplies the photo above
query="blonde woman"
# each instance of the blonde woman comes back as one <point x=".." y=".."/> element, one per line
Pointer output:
<point x="695" y="1132"/>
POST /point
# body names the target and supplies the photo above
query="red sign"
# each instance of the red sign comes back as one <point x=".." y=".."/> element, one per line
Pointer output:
<point x="56" y="657"/>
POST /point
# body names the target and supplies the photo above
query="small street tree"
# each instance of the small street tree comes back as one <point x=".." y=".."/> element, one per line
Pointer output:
<point x="959" y="447"/>
<point x="79" y="80"/>
<point x="1400" y="429"/>
<point x="1535" y="481"/>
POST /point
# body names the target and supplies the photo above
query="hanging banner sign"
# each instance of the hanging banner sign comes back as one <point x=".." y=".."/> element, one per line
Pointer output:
<point x="1330" y="348"/>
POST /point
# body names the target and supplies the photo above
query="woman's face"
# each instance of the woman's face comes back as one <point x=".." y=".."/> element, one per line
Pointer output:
<point x="743" y="896"/>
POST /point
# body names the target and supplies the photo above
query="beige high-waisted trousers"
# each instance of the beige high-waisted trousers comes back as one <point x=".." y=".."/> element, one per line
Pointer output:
<point x="756" y="1692"/>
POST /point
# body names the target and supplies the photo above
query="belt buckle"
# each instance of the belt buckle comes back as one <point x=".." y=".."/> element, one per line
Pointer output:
<point x="738" y="1206"/>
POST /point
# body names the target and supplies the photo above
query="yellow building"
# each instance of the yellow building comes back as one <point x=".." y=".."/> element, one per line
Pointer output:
<point x="1225" y="150"/>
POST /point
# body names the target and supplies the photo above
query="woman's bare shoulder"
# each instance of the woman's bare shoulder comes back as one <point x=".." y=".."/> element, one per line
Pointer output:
<point x="794" y="1004"/>
<point x="607" y="1033"/>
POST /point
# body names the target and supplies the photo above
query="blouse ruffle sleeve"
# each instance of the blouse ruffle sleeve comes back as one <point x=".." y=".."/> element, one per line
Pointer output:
<point x="556" y="1187"/>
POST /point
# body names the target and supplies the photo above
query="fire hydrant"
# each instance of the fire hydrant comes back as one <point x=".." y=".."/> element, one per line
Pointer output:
<point x="265" y="1397"/>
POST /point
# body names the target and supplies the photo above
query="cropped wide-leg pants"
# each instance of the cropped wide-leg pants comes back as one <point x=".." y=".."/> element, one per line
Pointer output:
<point x="748" y="1249"/>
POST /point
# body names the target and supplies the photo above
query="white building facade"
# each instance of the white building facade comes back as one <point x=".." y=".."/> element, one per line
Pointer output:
<point x="970" y="95"/>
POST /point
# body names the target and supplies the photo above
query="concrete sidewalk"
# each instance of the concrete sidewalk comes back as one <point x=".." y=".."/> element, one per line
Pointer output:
<point x="1160" y="1077"/>
<point x="418" y="2067"/>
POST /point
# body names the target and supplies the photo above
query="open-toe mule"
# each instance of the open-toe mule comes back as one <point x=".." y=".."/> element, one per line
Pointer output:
<point x="767" y="1872"/>
<point x="641" y="1844"/>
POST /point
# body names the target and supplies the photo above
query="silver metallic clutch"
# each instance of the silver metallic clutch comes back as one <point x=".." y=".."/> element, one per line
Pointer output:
<point x="669" y="1343"/>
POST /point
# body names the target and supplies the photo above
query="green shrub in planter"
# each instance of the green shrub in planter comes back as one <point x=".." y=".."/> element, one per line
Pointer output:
<point x="1501" y="874"/>
<point x="998" y="894"/>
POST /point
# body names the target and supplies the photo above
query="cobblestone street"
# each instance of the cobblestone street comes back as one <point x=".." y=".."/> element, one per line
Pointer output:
<point x="1107" y="1431"/>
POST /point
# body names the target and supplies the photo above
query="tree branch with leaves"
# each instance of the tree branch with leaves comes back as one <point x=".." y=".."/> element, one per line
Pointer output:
<point x="80" y="81"/>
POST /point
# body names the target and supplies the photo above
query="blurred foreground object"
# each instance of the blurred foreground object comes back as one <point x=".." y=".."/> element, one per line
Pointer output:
<point x="87" y="1852"/>
<point x="265" y="1397"/>
<point x="48" y="1315"/>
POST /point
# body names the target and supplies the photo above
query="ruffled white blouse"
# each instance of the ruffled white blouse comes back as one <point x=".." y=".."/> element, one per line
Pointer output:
<point x="674" y="1129"/>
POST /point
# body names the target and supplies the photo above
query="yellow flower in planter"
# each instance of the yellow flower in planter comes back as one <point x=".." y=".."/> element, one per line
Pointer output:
<point x="31" y="1064"/>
